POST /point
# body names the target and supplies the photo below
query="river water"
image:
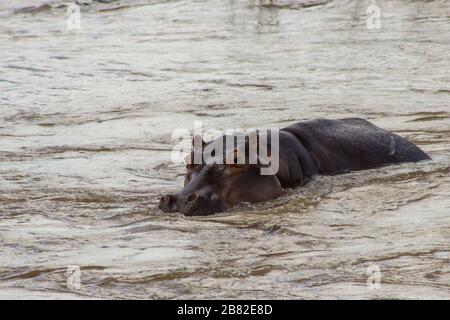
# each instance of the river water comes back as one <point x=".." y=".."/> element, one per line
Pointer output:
<point x="85" y="142"/>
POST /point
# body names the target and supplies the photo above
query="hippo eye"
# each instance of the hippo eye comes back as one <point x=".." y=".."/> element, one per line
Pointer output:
<point x="236" y="168"/>
<point x="219" y="167"/>
<point x="215" y="169"/>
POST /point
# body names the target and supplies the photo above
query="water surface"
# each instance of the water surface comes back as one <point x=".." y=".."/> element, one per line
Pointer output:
<point x="85" y="138"/>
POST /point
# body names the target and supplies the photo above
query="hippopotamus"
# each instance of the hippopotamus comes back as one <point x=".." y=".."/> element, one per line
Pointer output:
<point x="305" y="149"/>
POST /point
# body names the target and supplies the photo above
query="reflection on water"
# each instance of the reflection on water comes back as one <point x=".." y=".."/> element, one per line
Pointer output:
<point x="85" y="140"/>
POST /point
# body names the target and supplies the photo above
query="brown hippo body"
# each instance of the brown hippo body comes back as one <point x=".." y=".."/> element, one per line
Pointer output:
<point x="305" y="149"/>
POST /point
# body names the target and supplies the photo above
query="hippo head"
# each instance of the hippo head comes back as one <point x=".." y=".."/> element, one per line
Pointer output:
<point x="216" y="183"/>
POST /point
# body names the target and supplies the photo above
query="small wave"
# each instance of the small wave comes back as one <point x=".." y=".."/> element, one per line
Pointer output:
<point x="293" y="4"/>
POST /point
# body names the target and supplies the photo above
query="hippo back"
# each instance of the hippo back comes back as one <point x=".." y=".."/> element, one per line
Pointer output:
<point x="352" y="144"/>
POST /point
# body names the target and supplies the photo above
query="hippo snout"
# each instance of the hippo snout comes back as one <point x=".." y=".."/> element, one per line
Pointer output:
<point x="192" y="205"/>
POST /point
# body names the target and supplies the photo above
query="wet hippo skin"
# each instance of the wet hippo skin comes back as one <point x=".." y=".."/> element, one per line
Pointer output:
<point x="306" y="149"/>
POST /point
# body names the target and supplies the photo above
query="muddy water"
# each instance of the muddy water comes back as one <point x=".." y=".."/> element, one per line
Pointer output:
<point x="85" y="139"/>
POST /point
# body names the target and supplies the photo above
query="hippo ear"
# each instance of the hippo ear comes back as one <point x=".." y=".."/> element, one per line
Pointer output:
<point x="198" y="143"/>
<point x="232" y="158"/>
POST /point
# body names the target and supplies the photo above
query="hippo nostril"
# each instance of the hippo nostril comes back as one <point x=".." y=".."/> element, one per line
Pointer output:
<point x="167" y="203"/>
<point x="192" y="197"/>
